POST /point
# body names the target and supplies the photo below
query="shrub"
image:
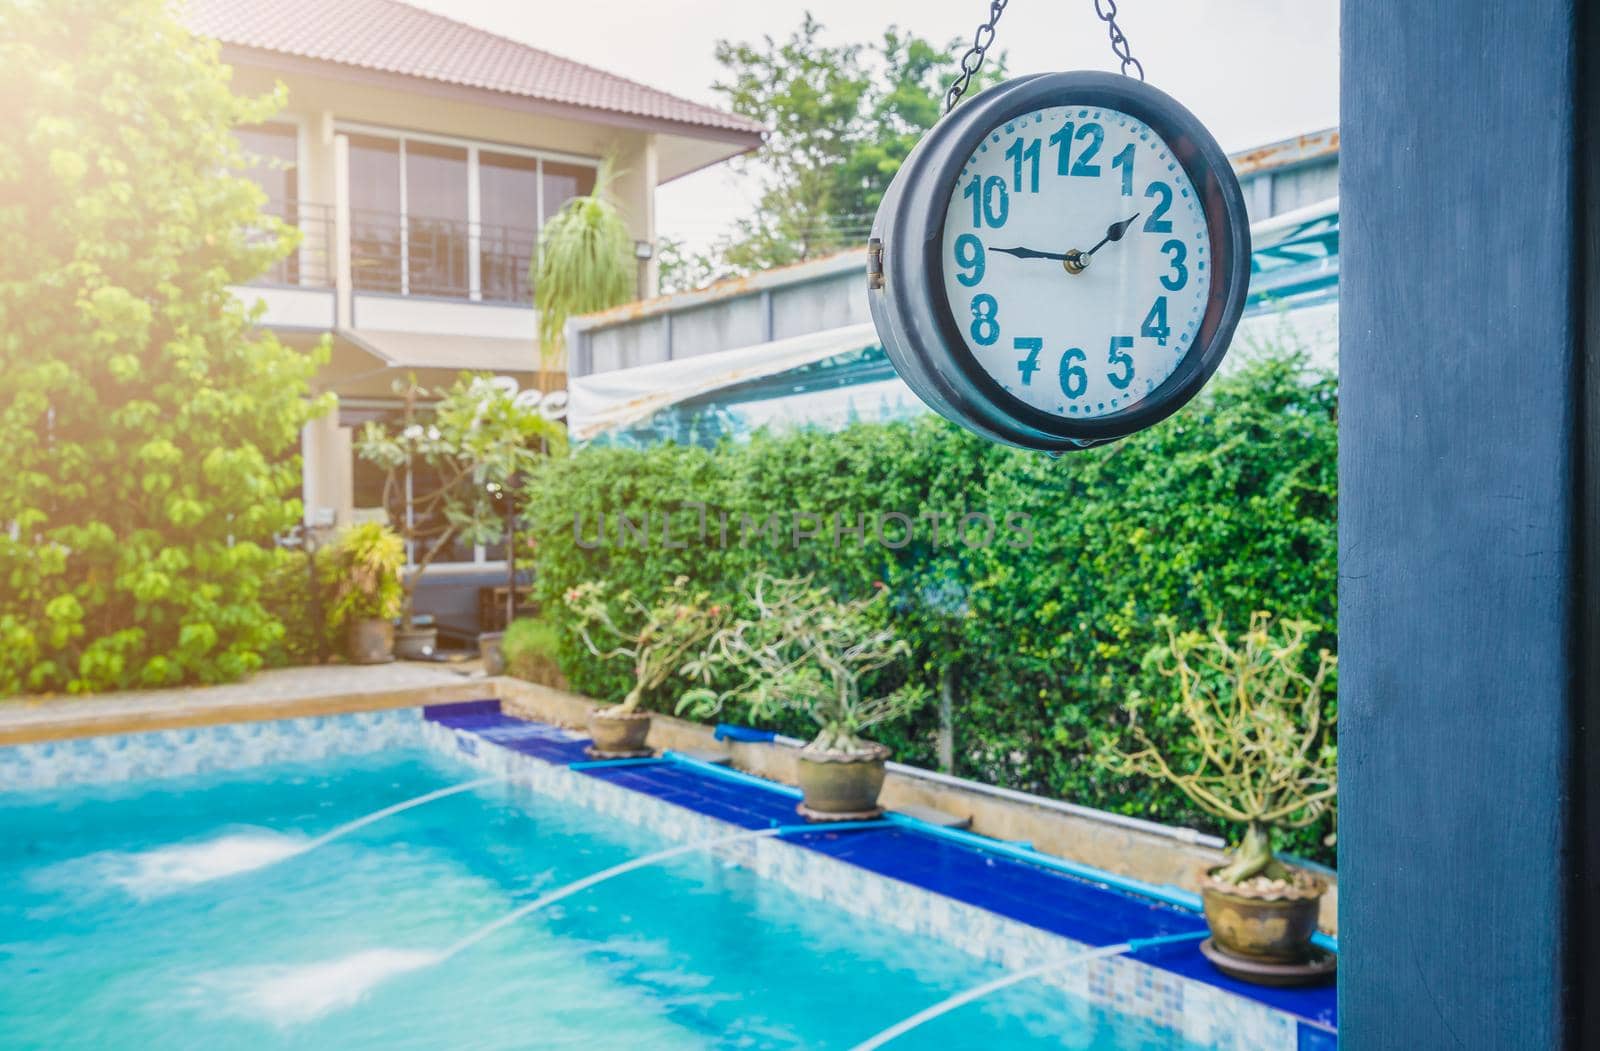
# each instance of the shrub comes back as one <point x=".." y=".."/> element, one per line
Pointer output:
<point x="1225" y="509"/>
<point x="287" y="596"/>
<point x="361" y="572"/>
<point x="147" y="427"/>
<point x="532" y="650"/>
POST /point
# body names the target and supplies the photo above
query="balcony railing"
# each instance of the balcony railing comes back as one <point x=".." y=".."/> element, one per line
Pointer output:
<point x="413" y="256"/>
<point x="311" y="264"/>
<point x="440" y="257"/>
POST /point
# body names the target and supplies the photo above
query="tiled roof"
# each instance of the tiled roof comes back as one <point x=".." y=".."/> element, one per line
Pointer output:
<point x="397" y="38"/>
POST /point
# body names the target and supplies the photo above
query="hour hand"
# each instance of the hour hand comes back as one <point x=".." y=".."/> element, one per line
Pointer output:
<point x="1030" y="253"/>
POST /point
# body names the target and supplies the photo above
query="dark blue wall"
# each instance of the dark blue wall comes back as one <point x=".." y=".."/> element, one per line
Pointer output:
<point x="1458" y="372"/>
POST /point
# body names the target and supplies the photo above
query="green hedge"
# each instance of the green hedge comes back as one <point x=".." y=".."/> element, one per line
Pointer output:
<point x="1222" y="510"/>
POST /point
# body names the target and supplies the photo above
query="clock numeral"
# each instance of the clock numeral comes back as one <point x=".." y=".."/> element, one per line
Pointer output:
<point x="1017" y="155"/>
<point x="1124" y="160"/>
<point x="1155" y="224"/>
<point x="1118" y="356"/>
<point x="969" y="256"/>
<point x="985" y="323"/>
<point x="1063" y="139"/>
<point x="1074" y="380"/>
<point x="990" y="202"/>
<point x="1030" y="364"/>
<point x="1155" y="323"/>
<point x="1179" y="277"/>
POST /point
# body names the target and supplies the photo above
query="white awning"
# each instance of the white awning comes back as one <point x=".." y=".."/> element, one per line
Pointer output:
<point x="417" y="350"/>
<point x="614" y="399"/>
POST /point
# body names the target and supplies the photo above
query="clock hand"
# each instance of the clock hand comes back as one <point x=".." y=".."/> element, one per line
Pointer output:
<point x="1114" y="232"/>
<point x="1029" y="253"/>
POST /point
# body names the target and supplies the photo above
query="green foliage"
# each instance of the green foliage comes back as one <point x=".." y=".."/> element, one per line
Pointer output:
<point x="657" y="638"/>
<point x="804" y="650"/>
<point x="475" y="438"/>
<point x="1255" y="708"/>
<point x="294" y="595"/>
<point x="532" y="650"/>
<point x="585" y="263"/>
<point x="147" y="428"/>
<point x="361" y="572"/>
<point x="1222" y="510"/>
<point x="842" y="118"/>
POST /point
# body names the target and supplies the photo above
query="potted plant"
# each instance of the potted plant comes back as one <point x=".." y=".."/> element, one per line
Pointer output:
<point x="1262" y="757"/>
<point x="805" y="650"/>
<point x="361" y="571"/>
<point x="662" y="637"/>
<point x="446" y="468"/>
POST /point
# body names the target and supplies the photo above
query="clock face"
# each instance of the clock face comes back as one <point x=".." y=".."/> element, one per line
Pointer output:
<point x="1076" y="260"/>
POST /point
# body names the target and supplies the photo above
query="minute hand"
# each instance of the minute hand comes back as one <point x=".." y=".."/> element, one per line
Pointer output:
<point x="1114" y="232"/>
<point x="1030" y="253"/>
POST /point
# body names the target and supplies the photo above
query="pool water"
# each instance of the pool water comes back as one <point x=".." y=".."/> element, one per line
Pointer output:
<point x="122" y="927"/>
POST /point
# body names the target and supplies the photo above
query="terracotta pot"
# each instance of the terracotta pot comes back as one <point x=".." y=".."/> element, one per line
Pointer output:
<point x="493" y="657"/>
<point x="841" y="786"/>
<point x="416" y="644"/>
<point x="369" y="641"/>
<point x="615" y="731"/>
<point x="1273" y="926"/>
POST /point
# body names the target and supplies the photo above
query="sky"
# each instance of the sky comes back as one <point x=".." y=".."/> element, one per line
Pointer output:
<point x="1253" y="70"/>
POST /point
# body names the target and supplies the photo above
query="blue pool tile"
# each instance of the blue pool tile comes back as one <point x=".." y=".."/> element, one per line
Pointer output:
<point x="1034" y="894"/>
<point x="442" y="712"/>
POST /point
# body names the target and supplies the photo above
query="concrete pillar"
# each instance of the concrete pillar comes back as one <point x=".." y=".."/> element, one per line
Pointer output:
<point x="1466" y="911"/>
<point x="327" y="465"/>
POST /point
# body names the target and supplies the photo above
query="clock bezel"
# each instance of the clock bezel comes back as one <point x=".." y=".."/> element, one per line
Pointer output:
<point x="912" y="276"/>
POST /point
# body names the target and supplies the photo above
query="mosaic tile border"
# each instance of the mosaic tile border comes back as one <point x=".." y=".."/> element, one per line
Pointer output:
<point x="203" y="749"/>
<point x="1202" y="1013"/>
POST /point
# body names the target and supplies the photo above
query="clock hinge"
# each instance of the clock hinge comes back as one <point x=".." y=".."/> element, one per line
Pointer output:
<point x="874" y="264"/>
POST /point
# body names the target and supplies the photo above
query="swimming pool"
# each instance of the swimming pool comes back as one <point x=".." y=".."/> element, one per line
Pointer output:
<point x="185" y="911"/>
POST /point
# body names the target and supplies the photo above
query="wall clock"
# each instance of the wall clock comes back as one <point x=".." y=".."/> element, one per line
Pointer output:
<point x="1061" y="261"/>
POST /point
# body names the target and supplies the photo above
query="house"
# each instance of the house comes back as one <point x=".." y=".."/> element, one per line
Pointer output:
<point x="419" y="157"/>
<point x="796" y="345"/>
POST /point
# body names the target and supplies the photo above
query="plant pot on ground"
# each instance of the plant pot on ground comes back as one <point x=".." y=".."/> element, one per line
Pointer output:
<point x="805" y="650"/>
<point x="1264" y="759"/>
<point x="361" y="571"/>
<point x="491" y="651"/>
<point x="416" y="642"/>
<point x="656" y="639"/>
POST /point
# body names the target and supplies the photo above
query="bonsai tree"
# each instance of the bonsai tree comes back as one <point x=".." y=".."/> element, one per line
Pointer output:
<point x="1264" y="754"/>
<point x="585" y="263"/>
<point x="460" y="452"/>
<point x="661" y="636"/>
<point x="806" y="651"/>
<point x="361" y="571"/>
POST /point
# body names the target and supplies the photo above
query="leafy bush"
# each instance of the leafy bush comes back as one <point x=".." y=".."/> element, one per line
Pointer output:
<point x="147" y="427"/>
<point x="294" y="595"/>
<point x="532" y="649"/>
<point x="1225" y="509"/>
<point x="805" y="651"/>
<point x="361" y="572"/>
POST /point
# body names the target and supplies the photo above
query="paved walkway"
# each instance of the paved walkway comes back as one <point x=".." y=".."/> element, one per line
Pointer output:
<point x="277" y="694"/>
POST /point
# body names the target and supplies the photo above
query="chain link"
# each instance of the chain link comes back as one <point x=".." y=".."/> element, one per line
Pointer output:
<point x="972" y="61"/>
<point x="1106" y="11"/>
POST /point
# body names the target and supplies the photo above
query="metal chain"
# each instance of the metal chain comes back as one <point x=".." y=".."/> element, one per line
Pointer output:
<point x="972" y="61"/>
<point x="1106" y="11"/>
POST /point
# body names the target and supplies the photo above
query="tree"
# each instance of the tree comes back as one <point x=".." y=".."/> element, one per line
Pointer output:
<point x="842" y="120"/>
<point x="585" y="262"/>
<point x="478" y="439"/>
<point x="147" y="426"/>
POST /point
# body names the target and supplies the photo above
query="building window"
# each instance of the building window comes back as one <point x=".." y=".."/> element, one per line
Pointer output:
<point x="375" y="211"/>
<point x="272" y="155"/>
<point x="508" y="228"/>
<point x="436" y="219"/>
<point x="416" y="228"/>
